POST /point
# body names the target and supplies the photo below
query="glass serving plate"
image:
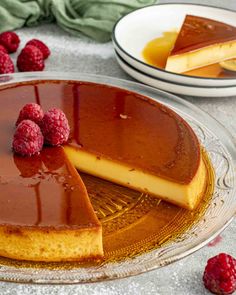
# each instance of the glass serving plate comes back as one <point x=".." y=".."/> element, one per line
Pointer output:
<point x="121" y="210"/>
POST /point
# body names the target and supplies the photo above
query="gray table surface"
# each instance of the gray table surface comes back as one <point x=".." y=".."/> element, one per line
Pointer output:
<point x="183" y="277"/>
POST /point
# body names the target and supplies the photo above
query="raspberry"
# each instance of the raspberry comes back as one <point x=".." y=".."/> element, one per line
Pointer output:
<point x="30" y="59"/>
<point x="10" y="41"/>
<point x="41" y="46"/>
<point x="6" y="64"/>
<point x="28" y="139"/>
<point x="31" y="111"/>
<point x="3" y="49"/>
<point x="220" y="274"/>
<point x="55" y="127"/>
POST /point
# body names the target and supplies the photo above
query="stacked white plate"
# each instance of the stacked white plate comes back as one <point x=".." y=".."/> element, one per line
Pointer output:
<point x="133" y="31"/>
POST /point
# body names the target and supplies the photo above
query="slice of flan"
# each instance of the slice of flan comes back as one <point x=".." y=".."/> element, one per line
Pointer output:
<point x="45" y="212"/>
<point x="201" y="42"/>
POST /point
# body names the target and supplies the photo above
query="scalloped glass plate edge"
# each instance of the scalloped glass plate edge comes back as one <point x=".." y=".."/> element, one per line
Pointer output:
<point x="222" y="151"/>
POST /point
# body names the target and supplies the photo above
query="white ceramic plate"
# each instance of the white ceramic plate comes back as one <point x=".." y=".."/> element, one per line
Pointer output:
<point x="133" y="31"/>
<point x="170" y="86"/>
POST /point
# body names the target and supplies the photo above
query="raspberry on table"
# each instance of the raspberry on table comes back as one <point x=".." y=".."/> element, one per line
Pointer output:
<point x="55" y="127"/>
<point x="30" y="59"/>
<point x="10" y="40"/>
<point x="28" y="139"/>
<point x="220" y="274"/>
<point x="41" y="46"/>
<point x="31" y="111"/>
<point x="3" y="49"/>
<point x="6" y="64"/>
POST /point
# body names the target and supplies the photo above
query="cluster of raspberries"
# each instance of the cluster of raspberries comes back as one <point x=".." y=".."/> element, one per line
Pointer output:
<point x="34" y="129"/>
<point x="31" y="57"/>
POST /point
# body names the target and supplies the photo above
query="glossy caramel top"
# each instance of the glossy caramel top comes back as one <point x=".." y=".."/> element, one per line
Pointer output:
<point x="43" y="191"/>
<point x="110" y="122"/>
<point x="198" y="32"/>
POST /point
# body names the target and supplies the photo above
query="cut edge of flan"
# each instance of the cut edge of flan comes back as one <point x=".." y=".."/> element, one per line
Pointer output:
<point x="184" y="195"/>
<point x="52" y="245"/>
<point x="200" y="54"/>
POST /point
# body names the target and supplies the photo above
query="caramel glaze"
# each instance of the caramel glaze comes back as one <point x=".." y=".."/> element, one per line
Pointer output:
<point x="198" y="32"/>
<point x="45" y="190"/>
<point x="129" y="128"/>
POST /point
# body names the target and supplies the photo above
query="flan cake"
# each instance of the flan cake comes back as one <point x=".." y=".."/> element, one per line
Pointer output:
<point x="201" y="42"/>
<point x="117" y="135"/>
